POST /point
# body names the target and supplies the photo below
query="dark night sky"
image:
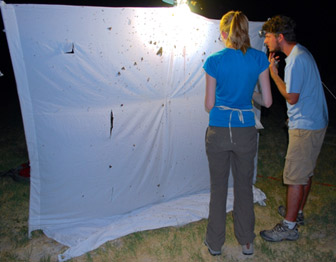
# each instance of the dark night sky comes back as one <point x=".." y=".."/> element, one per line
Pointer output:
<point x="315" y="26"/>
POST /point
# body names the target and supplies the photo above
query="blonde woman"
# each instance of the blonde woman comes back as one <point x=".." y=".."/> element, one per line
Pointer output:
<point x="231" y="137"/>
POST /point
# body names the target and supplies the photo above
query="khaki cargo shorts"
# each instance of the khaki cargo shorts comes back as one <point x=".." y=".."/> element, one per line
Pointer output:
<point x="303" y="149"/>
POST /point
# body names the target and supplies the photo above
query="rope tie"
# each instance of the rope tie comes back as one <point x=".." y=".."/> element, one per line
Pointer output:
<point x="240" y="116"/>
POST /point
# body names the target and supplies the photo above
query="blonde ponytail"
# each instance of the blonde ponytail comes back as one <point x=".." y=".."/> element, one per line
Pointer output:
<point x="235" y="25"/>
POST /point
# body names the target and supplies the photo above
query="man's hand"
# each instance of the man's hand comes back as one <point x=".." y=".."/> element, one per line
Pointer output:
<point x="273" y="64"/>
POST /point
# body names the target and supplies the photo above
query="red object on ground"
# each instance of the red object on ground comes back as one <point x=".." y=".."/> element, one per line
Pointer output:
<point x="24" y="170"/>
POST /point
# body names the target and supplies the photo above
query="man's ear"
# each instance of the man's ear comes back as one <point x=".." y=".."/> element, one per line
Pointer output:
<point x="280" y="37"/>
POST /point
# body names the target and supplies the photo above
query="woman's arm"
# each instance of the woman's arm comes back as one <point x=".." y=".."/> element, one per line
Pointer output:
<point x="210" y="92"/>
<point x="265" y="97"/>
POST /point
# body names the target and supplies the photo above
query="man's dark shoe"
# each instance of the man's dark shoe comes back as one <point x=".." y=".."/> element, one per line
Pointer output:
<point x="299" y="218"/>
<point x="280" y="232"/>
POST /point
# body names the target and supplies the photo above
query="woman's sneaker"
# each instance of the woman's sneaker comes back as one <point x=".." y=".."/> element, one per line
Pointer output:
<point x="280" y="232"/>
<point x="299" y="218"/>
<point x="248" y="249"/>
<point x="211" y="251"/>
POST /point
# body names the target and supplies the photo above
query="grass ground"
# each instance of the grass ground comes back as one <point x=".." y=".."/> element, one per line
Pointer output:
<point x="317" y="238"/>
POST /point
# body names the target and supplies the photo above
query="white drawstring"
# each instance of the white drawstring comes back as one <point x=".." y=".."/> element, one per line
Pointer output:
<point x="240" y="116"/>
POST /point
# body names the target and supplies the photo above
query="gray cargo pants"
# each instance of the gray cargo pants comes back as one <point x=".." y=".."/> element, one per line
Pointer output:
<point x="239" y="154"/>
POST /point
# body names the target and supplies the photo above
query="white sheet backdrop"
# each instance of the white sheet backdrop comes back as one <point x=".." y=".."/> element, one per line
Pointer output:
<point x="112" y="104"/>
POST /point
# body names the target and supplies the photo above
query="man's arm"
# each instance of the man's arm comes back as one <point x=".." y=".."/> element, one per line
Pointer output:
<point x="291" y="98"/>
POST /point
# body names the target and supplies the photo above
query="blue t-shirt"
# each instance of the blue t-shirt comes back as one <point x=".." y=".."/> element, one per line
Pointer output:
<point x="236" y="75"/>
<point x="302" y="77"/>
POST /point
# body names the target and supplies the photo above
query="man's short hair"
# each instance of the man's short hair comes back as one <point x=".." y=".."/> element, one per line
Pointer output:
<point x="281" y="25"/>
